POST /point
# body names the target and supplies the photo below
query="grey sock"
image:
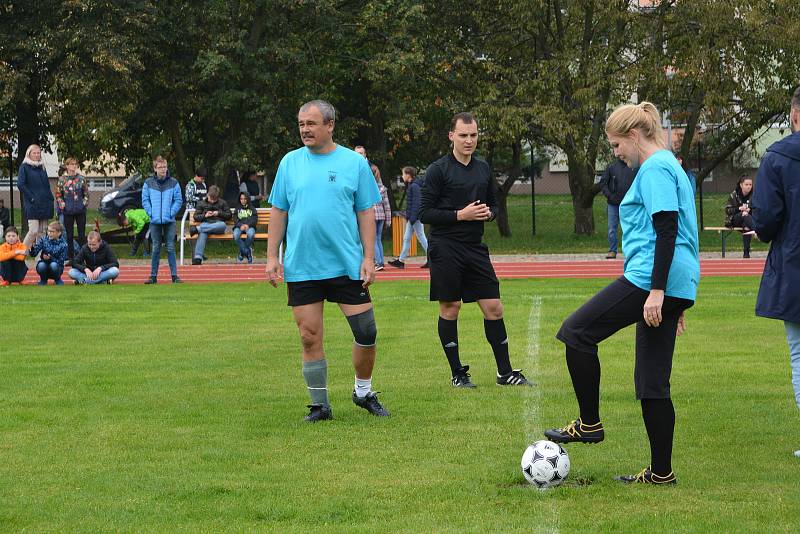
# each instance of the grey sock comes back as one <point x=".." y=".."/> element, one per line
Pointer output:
<point x="316" y="375"/>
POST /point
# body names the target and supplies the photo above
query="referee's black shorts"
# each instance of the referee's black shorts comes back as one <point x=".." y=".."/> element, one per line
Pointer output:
<point x="616" y="306"/>
<point x="461" y="271"/>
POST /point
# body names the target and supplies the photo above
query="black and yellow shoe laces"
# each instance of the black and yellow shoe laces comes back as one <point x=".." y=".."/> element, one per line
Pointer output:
<point x="642" y="477"/>
<point x="578" y="429"/>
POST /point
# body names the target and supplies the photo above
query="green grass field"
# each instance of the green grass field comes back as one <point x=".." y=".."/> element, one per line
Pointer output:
<point x="179" y="409"/>
<point x="554" y="230"/>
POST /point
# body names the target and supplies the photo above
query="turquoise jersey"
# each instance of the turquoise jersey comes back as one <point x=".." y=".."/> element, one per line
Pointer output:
<point x="660" y="185"/>
<point x="322" y="193"/>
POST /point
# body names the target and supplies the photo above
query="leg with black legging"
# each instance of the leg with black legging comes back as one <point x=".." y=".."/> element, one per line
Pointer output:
<point x="659" y="420"/>
<point x="584" y="370"/>
<point x="80" y="220"/>
<point x="654" y="350"/>
<point x="616" y="306"/>
<point x="69" y="223"/>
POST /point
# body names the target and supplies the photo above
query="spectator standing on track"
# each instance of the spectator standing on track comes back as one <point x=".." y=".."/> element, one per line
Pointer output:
<point x="413" y="224"/>
<point x="34" y="189"/>
<point x="72" y="197"/>
<point x="383" y="217"/>
<point x="616" y="180"/>
<point x="162" y="200"/>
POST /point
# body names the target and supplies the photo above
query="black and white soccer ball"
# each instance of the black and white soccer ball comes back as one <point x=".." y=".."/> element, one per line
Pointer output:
<point x="545" y="464"/>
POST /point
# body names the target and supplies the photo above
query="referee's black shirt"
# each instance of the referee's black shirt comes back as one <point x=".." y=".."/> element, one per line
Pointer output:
<point x="450" y="186"/>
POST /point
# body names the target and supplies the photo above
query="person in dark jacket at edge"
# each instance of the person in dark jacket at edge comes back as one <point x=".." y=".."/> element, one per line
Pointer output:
<point x="616" y="180"/>
<point x="737" y="211"/>
<point x="776" y="220"/>
<point x="95" y="263"/>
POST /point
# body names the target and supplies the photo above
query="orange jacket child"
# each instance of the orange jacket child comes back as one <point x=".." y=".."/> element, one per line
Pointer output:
<point x="12" y="264"/>
<point x="12" y="252"/>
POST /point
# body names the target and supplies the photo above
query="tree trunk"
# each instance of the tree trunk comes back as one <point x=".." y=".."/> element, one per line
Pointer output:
<point x="581" y="184"/>
<point x="503" y="191"/>
<point x="184" y="166"/>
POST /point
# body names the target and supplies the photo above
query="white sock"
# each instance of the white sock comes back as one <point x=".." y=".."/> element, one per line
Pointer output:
<point x="363" y="387"/>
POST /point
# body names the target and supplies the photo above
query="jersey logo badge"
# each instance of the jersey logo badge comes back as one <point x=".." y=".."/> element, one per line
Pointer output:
<point x="331" y="176"/>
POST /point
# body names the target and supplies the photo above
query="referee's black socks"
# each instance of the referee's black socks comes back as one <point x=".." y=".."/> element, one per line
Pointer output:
<point x="498" y="339"/>
<point x="448" y="335"/>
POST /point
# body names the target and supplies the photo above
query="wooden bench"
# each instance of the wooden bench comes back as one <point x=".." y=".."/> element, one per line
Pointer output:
<point x="187" y="221"/>
<point x="724" y="231"/>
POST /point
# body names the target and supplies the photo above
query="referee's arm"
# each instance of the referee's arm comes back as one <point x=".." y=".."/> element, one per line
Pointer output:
<point x="429" y="211"/>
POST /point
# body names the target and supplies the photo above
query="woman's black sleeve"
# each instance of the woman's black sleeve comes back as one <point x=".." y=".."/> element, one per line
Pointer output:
<point x="666" y="226"/>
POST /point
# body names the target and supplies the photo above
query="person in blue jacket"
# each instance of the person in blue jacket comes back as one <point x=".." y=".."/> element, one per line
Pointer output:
<point x="162" y="199"/>
<point x="776" y="220"/>
<point x="52" y="251"/>
<point x="34" y="188"/>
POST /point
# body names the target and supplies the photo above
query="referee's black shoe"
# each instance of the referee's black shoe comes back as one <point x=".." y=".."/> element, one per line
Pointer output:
<point x="371" y="404"/>
<point x="645" y="476"/>
<point x="514" y="378"/>
<point x="318" y="413"/>
<point x="578" y="432"/>
<point x="461" y="378"/>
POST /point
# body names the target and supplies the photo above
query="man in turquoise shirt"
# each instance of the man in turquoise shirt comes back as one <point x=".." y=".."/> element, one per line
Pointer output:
<point x="322" y="202"/>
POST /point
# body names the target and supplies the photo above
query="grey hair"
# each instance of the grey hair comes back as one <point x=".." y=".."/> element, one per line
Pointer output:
<point x="327" y="110"/>
<point x="796" y="99"/>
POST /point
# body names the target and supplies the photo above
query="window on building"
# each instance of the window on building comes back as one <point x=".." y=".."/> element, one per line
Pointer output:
<point x="101" y="184"/>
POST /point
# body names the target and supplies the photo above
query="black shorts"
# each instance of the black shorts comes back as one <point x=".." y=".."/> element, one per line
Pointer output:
<point x="461" y="271"/>
<point x="341" y="290"/>
<point x="616" y="306"/>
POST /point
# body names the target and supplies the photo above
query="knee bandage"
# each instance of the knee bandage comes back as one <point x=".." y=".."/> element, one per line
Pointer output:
<point x="364" y="330"/>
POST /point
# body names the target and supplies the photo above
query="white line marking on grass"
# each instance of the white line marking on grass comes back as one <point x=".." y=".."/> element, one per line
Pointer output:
<point x="530" y="414"/>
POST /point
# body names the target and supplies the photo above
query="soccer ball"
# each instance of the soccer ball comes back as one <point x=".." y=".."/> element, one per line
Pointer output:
<point x="545" y="464"/>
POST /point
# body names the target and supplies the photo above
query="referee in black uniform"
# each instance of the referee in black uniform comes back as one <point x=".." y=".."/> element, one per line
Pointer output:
<point x="458" y="196"/>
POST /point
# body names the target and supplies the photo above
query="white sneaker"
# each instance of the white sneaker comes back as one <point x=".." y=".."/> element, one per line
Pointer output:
<point x="797" y="454"/>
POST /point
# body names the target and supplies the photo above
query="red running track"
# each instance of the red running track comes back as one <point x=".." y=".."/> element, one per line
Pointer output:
<point x="231" y="272"/>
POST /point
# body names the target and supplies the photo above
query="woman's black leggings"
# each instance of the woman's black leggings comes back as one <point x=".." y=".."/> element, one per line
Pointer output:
<point x="618" y="305"/>
<point x="69" y="221"/>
